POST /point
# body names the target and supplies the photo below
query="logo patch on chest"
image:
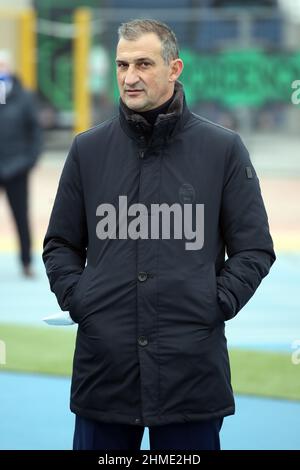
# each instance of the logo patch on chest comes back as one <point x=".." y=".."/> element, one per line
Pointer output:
<point x="186" y="193"/>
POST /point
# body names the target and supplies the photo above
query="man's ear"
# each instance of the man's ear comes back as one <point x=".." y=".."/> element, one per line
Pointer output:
<point x="176" y="67"/>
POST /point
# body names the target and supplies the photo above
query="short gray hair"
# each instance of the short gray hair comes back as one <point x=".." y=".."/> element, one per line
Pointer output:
<point x="133" y="29"/>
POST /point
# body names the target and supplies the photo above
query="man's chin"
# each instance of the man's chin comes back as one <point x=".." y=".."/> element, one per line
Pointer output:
<point x="134" y="105"/>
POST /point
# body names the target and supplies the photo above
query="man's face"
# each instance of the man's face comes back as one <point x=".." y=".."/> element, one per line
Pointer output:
<point x="145" y="81"/>
<point x="4" y="67"/>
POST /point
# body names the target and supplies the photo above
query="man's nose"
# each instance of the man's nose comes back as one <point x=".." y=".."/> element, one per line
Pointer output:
<point x="131" y="77"/>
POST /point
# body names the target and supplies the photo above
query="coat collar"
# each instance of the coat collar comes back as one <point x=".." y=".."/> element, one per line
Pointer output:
<point x="166" y="125"/>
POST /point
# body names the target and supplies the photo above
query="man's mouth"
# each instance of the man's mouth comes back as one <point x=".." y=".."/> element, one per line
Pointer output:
<point x="133" y="92"/>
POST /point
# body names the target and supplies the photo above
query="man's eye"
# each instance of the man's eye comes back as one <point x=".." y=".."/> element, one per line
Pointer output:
<point x="145" y="64"/>
<point x="121" y="66"/>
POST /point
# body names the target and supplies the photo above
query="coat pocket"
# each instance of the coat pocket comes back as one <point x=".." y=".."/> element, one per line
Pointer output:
<point x="213" y="294"/>
<point x="220" y="315"/>
<point x="78" y="296"/>
<point x="190" y="301"/>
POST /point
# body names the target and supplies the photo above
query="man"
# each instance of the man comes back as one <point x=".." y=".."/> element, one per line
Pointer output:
<point x="153" y="297"/>
<point x="20" y="147"/>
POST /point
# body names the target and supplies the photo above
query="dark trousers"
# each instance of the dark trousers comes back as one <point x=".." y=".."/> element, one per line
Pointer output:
<point x="17" y="194"/>
<point x="93" y="435"/>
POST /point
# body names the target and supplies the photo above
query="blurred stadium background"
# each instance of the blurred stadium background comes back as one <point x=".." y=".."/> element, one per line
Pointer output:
<point x="241" y="58"/>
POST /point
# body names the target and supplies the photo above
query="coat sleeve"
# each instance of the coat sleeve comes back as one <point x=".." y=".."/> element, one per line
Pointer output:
<point x="65" y="243"/>
<point x="245" y="230"/>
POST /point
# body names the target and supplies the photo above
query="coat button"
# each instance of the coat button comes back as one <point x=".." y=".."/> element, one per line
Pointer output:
<point x="137" y="421"/>
<point x="142" y="341"/>
<point x="142" y="276"/>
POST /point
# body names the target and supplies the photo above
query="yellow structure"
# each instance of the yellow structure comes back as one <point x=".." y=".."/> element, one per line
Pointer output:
<point x="17" y="34"/>
<point x="82" y="38"/>
<point x="27" y="70"/>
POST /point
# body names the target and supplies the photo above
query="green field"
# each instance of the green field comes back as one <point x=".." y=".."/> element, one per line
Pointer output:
<point x="50" y="351"/>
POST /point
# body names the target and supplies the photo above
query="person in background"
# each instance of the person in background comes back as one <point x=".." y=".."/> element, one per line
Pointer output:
<point x="20" y="147"/>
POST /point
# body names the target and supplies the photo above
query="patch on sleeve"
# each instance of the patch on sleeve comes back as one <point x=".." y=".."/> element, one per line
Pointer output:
<point x="249" y="172"/>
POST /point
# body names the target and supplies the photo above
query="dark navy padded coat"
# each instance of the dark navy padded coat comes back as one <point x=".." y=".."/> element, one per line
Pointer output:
<point x="150" y="347"/>
<point x="20" y="132"/>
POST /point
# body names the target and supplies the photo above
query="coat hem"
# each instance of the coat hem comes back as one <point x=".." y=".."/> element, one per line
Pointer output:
<point x="154" y="420"/>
